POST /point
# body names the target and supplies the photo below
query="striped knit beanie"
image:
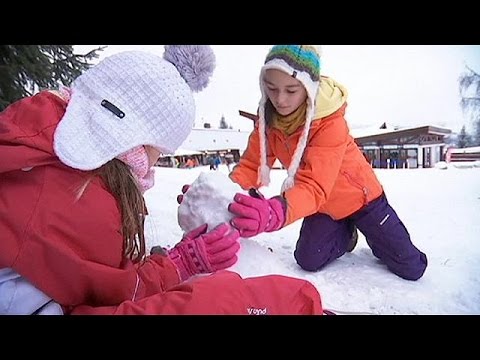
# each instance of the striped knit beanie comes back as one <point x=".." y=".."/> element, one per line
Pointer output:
<point x="303" y="63"/>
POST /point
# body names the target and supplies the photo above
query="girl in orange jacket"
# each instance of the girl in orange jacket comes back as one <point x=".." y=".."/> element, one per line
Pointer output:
<point x="329" y="183"/>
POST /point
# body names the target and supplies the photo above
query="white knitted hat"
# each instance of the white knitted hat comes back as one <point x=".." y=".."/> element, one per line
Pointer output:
<point x="129" y="99"/>
<point x="303" y="63"/>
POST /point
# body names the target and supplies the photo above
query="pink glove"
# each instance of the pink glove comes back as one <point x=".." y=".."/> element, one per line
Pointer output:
<point x="201" y="252"/>
<point x="255" y="214"/>
<point x="184" y="190"/>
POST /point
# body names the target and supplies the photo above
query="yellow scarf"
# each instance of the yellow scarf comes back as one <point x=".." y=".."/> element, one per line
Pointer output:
<point x="290" y="123"/>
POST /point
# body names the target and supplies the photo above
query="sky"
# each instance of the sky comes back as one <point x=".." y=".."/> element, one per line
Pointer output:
<point x="403" y="85"/>
<point x="439" y="208"/>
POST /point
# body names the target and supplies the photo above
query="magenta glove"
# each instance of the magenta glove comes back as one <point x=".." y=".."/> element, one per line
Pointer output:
<point x="184" y="190"/>
<point x="255" y="214"/>
<point x="205" y="252"/>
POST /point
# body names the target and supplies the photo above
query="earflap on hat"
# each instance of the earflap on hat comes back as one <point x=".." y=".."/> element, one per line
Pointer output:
<point x="264" y="170"/>
<point x="303" y="63"/>
<point x="302" y="143"/>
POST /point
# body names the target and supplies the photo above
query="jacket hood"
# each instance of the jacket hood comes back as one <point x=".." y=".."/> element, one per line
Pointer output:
<point x="26" y="132"/>
<point x="330" y="97"/>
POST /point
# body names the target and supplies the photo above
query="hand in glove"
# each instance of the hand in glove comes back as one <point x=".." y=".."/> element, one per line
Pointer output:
<point x="206" y="252"/>
<point x="255" y="214"/>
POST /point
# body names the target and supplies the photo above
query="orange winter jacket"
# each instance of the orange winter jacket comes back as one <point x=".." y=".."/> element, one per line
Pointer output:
<point x="333" y="178"/>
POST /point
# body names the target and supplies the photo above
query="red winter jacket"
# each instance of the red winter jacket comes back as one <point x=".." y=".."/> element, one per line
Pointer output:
<point x="225" y="293"/>
<point x="72" y="249"/>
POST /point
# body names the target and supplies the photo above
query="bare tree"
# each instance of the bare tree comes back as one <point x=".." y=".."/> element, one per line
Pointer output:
<point x="469" y="86"/>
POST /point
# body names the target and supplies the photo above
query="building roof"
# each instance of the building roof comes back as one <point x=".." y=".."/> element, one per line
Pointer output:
<point x="469" y="150"/>
<point x="182" y="152"/>
<point x="382" y="134"/>
<point x="216" y="139"/>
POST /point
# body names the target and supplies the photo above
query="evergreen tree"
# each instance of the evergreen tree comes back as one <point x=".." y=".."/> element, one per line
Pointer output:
<point x="463" y="139"/>
<point x="223" y="123"/>
<point x="470" y="100"/>
<point x="25" y="69"/>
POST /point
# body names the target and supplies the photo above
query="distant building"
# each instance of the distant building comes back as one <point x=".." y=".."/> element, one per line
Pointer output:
<point x="463" y="155"/>
<point x="415" y="147"/>
<point x="204" y="143"/>
<point x="212" y="141"/>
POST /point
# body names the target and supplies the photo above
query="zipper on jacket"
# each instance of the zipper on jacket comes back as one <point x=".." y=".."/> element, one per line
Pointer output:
<point x="357" y="185"/>
<point x="285" y="140"/>
<point x="288" y="147"/>
<point x="282" y="138"/>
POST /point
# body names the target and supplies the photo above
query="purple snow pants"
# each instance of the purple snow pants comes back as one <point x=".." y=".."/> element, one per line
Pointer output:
<point x="323" y="240"/>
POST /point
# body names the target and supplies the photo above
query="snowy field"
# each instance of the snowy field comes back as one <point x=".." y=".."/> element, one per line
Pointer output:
<point x="440" y="208"/>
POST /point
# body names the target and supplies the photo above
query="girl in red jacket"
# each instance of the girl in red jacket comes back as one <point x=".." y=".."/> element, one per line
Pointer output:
<point x="329" y="183"/>
<point x="73" y="168"/>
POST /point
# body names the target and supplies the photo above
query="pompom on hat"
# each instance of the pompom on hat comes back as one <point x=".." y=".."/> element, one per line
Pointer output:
<point x="303" y="62"/>
<point x="129" y="99"/>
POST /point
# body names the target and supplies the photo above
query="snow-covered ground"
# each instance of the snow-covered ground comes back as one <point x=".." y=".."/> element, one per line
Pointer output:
<point x="440" y="207"/>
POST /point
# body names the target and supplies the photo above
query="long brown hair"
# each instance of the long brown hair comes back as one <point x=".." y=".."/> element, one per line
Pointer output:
<point x="123" y="186"/>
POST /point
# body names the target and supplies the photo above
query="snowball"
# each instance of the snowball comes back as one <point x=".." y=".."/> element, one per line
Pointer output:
<point x="206" y="201"/>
